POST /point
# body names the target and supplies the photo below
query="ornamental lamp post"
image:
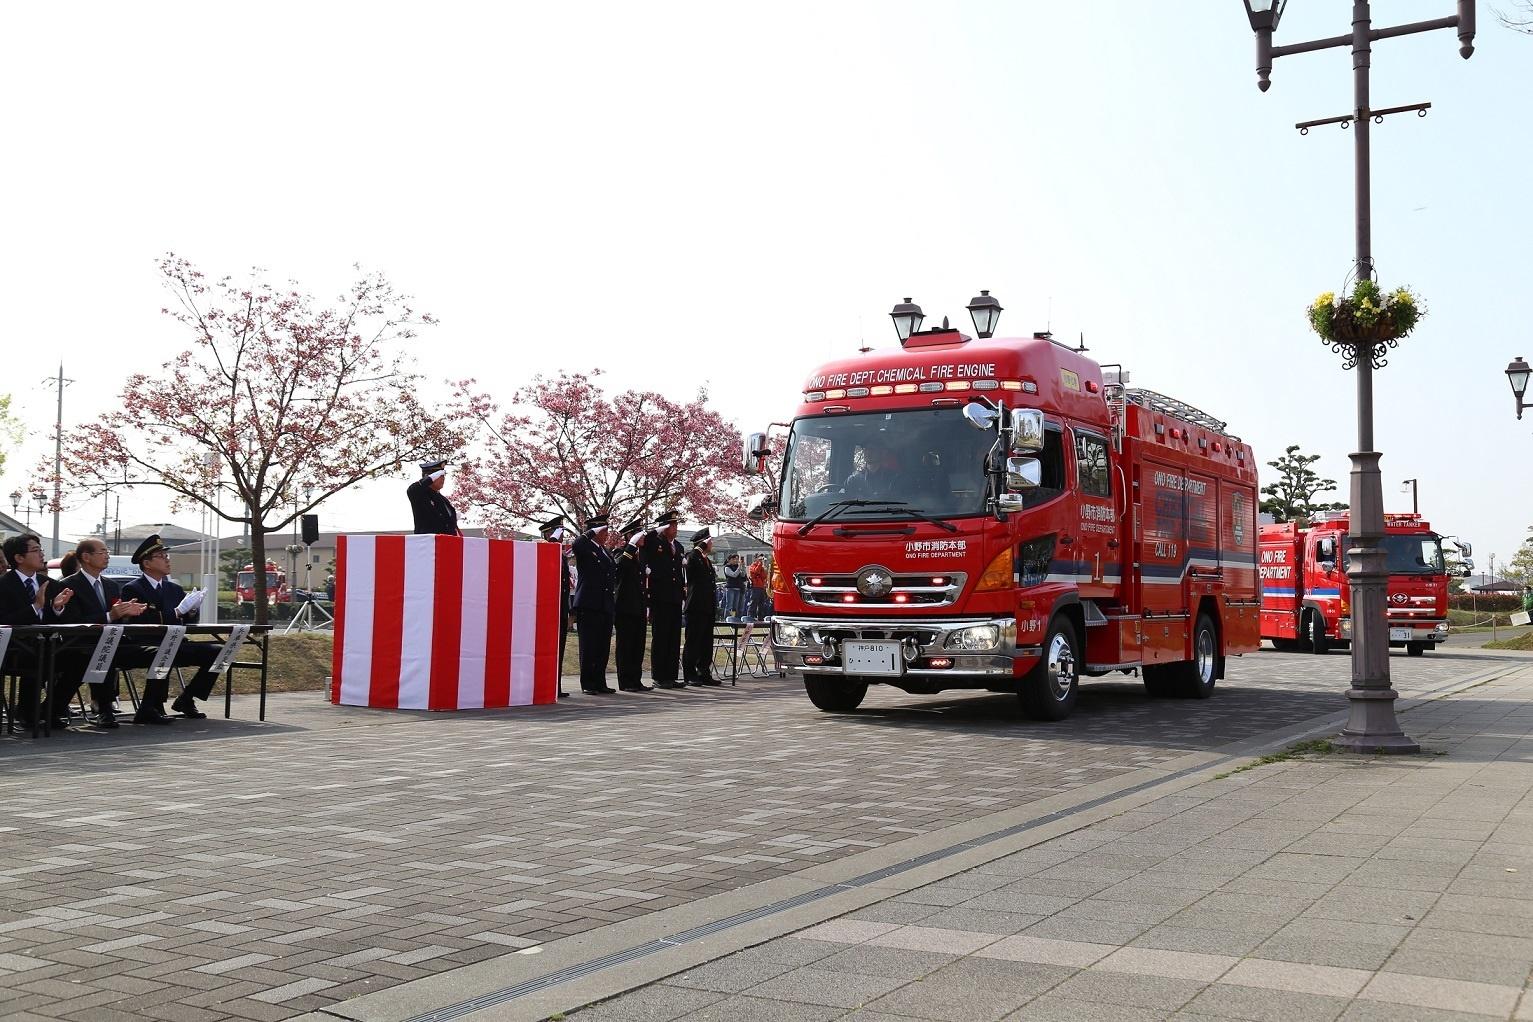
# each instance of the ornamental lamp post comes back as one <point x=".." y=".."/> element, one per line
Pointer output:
<point x="986" y="312"/>
<point x="1410" y="484"/>
<point x="907" y="319"/>
<point x="1372" y="725"/>
<point x="1516" y="375"/>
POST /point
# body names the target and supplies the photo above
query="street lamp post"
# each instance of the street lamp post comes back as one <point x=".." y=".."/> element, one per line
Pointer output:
<point x="1415" y="504"/>
<point x="1372" y="725"/>
<point x="1517" y="375"/>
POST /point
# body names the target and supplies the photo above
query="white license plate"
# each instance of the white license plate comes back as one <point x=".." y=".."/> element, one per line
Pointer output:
<point x="871" y="657"/>
<point x="1401" y="634"/>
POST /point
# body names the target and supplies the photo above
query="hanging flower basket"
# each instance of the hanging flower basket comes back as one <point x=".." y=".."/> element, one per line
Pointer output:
<point x="1367" y="315"/>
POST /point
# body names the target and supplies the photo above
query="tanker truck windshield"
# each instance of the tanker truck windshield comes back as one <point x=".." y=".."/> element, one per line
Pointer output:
<point x="931" y="460"/>
<point x="1409" y="554"/>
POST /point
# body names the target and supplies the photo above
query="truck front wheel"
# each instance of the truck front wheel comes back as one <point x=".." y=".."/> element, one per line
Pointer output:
<point x="1048" y="691"/>
<point x="836" y="695"/>
<point x="1417" y="648"/>
<point x="1314" y="633"/>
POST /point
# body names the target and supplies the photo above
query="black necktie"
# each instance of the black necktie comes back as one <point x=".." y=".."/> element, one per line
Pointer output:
<point x="31" y="589"/>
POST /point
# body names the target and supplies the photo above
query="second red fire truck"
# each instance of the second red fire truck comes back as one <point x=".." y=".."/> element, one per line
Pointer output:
<point x="1000" y="514"/>
<point x="1305" y="597"/>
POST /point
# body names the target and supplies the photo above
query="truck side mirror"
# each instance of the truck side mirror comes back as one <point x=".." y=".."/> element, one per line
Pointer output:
<point x="1023" y="474"/>
<point x="1465" y="547"/>
<point x="756" y="451"/>
<point x="980" y="416"/>
<point x="1026" y="430"/>
<point x="1328" y="567"/>
<point x="761" y="506"/>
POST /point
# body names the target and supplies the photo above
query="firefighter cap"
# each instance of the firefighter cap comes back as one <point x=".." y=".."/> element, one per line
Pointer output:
<point x="634" y="525"/>
<point x="551" y="526"/>
<point x="701" y="536"/>
<point x="597" y="521"/>
<point x="668" y="518"/>
<point x="148" y="548"/>
<point x="433" y="466"/>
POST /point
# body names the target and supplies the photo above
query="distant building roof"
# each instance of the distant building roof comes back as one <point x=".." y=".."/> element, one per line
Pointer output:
<point x="169" y="534"/>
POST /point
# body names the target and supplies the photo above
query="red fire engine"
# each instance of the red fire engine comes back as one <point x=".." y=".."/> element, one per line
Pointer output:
<point x="1305" y="599"/>
<point x="277" y="590"/>
<point x="998" y="514"/>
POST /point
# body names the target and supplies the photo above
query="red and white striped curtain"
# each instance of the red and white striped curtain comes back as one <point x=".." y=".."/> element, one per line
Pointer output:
<point x="445" y="623"/>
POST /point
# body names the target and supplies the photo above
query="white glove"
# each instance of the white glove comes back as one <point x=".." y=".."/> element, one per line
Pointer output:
<point x="191" y="603"/>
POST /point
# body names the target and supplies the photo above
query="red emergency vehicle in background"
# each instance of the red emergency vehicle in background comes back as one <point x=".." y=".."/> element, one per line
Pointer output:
<point x="277" y="590"/>
<point x="1305" y="595"/>
<point x="998" y="514"/>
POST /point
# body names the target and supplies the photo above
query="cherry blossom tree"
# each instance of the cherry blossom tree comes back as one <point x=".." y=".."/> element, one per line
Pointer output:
<point x="288" y="399"/>
<point x="563" y="446"/>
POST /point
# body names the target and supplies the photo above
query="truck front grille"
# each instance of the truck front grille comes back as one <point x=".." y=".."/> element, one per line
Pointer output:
<point x="907" y="589"/>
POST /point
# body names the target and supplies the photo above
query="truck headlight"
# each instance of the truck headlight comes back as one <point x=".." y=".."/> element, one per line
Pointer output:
<point x="1441" y="627"/>
<point x="1346" y="628"/>
<point x="974" y="637"/>
<point x="785" y="634"/>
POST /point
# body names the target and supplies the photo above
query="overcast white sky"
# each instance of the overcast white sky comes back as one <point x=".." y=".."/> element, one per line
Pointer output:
<point x="725" y="195"/>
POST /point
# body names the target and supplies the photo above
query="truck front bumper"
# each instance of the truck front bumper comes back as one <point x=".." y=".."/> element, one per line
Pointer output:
<point x="813" y="646"/>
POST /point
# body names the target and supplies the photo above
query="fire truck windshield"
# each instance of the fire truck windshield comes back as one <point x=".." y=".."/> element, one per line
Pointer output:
<point x="929" y="459"/>
<point x="246" y="580"/>
<point x="1418" y="554"/>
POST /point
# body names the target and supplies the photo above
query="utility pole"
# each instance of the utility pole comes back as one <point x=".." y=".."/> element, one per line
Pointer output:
<point x="58" y="460"/>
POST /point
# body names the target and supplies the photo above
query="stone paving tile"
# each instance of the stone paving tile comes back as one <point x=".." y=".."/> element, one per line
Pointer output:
<point x="1225" y="1001"/>
<point x="816" y="985"/>
<point x="376" y="860"/>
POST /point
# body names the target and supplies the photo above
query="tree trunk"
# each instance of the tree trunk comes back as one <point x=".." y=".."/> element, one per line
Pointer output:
<point x="258" y="563"/>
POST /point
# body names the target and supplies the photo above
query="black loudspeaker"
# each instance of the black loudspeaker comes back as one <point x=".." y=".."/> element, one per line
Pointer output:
<point x="311" y="528"/>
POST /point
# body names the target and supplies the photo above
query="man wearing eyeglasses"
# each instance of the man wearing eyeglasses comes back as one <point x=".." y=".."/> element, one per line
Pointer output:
<point x="23" y="601"/>
<point x="97" y="600"/>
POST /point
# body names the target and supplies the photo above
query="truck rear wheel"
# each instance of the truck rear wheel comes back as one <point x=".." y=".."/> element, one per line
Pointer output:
<point x="1314" y="634"/>
<point x="1049" y="690"/>
<point x="1190" y="679"/>
<point x="836" y="695"/>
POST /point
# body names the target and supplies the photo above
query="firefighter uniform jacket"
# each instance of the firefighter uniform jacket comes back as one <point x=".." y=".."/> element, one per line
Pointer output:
<point x="596" y="577"/>
<point x="702" y="588"/>
<point x="665" y="561"/>
<point x="630" y="582"/>
<point x="434" y="513"/>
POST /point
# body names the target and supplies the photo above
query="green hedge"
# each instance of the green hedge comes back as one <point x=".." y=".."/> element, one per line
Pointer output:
<point x="1485" y="601"/>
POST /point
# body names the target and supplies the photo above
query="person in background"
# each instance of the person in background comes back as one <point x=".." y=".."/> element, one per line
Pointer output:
<point x="734" y="587"/>
<point x="665" y="565"/>
<point x="631" y="610"/>
<point x="595" y="604"/>
<point x="757" y="576"/>
<point x="702" y="607"/>
<point x="434" y="513"/>
<point x="169" y="604"/>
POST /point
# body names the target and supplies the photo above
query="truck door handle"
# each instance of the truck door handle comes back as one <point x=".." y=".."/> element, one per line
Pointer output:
<point x="1112" y="544"/>
<point x="1066" y="540"/>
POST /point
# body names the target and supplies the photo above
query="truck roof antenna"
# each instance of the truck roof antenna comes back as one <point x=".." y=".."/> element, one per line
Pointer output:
<point x="1082" y="345"/>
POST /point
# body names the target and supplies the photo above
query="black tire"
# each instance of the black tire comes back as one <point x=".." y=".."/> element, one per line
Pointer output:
<point x="836" y="695"/>
<point x="1189" y="679"/>
<point x="1314" y="634"/>
<point x="1049" y="690"/>
<point x="1286" y="645"/>
<point x="1417" y="648"/>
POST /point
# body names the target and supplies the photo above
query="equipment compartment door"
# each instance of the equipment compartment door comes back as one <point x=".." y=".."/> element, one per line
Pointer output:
<point x="1162" y="556"/>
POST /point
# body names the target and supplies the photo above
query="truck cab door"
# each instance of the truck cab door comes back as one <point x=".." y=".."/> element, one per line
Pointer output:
<point x="1097" y="546"/>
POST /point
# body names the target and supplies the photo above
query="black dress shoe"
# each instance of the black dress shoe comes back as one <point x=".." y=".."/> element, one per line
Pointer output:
<point x="708" y="681"/>
<point x="563" y="694"/>
<point x="635" y="688"/>
<point x="669" y="684"/>
<point x="105" y="717"/>
<point x="62" y="724"/>
<point x="151" y="715"/>
<point x="186" y="706"/>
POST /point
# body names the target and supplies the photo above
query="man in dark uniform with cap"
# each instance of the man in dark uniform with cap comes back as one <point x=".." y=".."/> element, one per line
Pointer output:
<point x="630" y="610"/>
<point x="167" y="603"/>
<point x="553" y="531"/>
<point x="595" y="604"/>
<point x="665" y="563"/>
<point x="434" y="513"/>
<point x="702" y="607"/>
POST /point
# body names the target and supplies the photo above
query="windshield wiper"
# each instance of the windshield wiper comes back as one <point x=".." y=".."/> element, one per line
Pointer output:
<point x="832" y="510"/>
<point x="905" y="509"/>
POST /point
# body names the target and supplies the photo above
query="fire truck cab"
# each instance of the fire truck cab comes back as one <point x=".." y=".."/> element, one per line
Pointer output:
<point x="1000" y="514"/>
<point x="277" y="590"/>
<point x="1305" y="597"/>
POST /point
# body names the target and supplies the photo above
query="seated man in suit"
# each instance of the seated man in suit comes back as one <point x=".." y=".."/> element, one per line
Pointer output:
<point x="168" y="604"/>
<point x="23" y="601"/>
<point x="97" y="600"/>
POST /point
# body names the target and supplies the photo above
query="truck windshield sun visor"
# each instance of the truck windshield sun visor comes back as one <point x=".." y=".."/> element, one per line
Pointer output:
<point x="925" y="464"/>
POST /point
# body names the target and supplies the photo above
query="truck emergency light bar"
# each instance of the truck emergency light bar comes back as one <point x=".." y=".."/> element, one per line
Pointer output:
<point x="930" y="387"/>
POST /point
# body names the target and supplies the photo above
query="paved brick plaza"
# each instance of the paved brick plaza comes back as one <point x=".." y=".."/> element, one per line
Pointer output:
<point x="234" y="869"/>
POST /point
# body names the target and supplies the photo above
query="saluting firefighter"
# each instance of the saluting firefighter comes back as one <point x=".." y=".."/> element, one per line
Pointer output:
<point x="630" y="610"/>
<point x="665" y="562"/>
<point x="595" y="604"/>
<point x="434" y="513"/>
<point x="168" y="604"/>
<point x="553" y="531"/>
<point x="702" y="605"/>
